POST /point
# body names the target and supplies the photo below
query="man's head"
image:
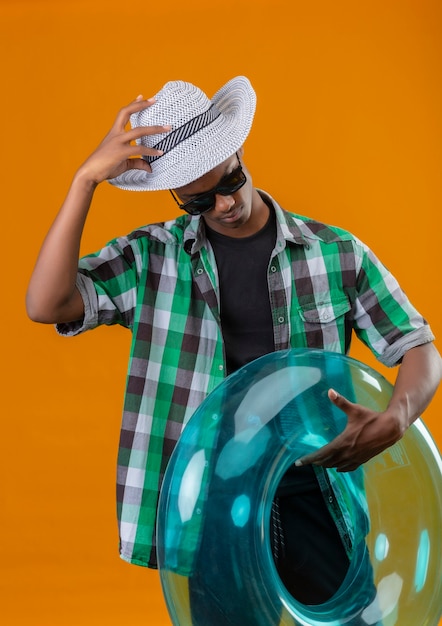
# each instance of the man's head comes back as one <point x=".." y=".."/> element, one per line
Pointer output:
<point x="226" y="199"/>
<point x="204" y="133"/>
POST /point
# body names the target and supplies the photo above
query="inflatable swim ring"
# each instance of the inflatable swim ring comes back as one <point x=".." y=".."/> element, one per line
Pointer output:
<point x="274" y="410"/>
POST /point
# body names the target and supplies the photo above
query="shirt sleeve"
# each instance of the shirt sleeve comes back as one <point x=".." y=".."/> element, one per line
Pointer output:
<point x="107" y="281"/>
<point x="384" y="318"/>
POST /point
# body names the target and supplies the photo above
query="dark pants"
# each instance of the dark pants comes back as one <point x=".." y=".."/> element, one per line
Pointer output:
<point x="308" y="552"/>
<point x="307" y="549"/>
<point x="310" y="558"/>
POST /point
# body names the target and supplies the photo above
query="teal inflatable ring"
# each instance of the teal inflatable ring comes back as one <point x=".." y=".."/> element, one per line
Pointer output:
<point x="221" y="482"/>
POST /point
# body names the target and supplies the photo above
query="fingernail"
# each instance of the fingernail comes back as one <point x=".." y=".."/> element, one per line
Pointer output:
<point x="140" y="97"/>
<point x="298" y="463"/>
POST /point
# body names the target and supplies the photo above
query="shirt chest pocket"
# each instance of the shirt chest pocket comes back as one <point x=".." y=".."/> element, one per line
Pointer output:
<point x="326" y="324"/>
<point x="324" y="312"/>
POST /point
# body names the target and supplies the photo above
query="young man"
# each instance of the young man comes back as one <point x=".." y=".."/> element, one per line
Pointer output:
<point x="233" y="278"/>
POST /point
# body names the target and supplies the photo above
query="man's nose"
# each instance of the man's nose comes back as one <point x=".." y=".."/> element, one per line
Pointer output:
<point x="223" y="204"/>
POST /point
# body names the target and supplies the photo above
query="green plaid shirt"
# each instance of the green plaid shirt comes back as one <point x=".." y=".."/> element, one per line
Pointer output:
<point x="161" y="282"/>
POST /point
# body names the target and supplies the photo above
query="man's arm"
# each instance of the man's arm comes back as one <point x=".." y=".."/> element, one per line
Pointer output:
<point x="52" y="296"/>
<point x="368" y="432"/>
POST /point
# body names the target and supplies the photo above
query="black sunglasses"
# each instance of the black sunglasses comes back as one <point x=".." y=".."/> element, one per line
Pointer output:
<point x="204" y="202"/>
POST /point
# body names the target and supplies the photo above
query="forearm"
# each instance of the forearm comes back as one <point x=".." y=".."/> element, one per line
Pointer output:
<point x="52" y="295"/>
<point x="417" y="381"/>
<point x="369" y="432"/>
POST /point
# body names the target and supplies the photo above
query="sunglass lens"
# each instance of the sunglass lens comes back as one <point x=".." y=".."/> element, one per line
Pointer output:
<point x="233" y="182"/>
<point x="200" y="205"/>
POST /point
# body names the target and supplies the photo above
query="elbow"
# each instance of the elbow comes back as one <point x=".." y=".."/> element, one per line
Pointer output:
<point x="435" y="360"/>
<point x="40" y="311"/>
<point x="438" y="359"/>
<point x="430" y="362"/>
<point x="47" y="310"/>
<point x="36" y="312"/>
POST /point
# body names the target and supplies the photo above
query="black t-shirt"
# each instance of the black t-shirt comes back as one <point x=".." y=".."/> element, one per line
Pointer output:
<point x="246" y="316"/>
<point x="247" y="327"/>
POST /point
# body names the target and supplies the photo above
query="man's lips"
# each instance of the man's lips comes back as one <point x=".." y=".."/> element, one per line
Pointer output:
<point x="232" y="215"/>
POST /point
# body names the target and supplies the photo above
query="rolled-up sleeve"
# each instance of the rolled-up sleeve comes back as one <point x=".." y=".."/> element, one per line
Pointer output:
<point x="393" y="354"/>
<point x="384" y="318"/>
<point x="107" y="281"/>
<point x="87" y="290"/>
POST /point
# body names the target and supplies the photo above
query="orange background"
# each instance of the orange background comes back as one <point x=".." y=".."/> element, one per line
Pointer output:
<point x="348" y="130"/>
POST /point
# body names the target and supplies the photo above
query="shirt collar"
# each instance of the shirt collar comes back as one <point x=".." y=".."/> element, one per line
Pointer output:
<point x="288" y="229"/>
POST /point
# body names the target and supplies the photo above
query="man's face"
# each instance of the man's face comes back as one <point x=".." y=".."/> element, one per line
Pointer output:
<point x="232" y="212"/>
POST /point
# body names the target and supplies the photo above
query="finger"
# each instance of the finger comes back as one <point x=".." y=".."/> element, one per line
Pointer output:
<point x="340" y="401"/>
<point x="129" y="164"/>
<point x="328" y="455"/>
<point x="133" y="107"/>
<point x="351" y="463"/>
<point x="140" y="100"/>
<point x="133" y="152"/>
<point x="138" y="164"/>
<point x="347" y="467"/>
<point x="144" y="131"/>
<point x="315" y="458"/>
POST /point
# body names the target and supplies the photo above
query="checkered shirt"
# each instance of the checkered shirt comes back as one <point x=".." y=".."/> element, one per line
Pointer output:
<point x="161" y="282"/>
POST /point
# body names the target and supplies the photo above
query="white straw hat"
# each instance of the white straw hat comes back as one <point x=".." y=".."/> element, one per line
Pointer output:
<point x="204" y="133"/>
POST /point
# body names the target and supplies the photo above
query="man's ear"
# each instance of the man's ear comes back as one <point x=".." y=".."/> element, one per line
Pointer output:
<point x="240" y="151"/>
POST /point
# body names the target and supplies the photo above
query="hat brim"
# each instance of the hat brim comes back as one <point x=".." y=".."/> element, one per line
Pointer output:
<point x="205" y="149"/>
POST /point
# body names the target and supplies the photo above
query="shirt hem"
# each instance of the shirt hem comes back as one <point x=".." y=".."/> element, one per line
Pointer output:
<point x="138" y="562"/>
